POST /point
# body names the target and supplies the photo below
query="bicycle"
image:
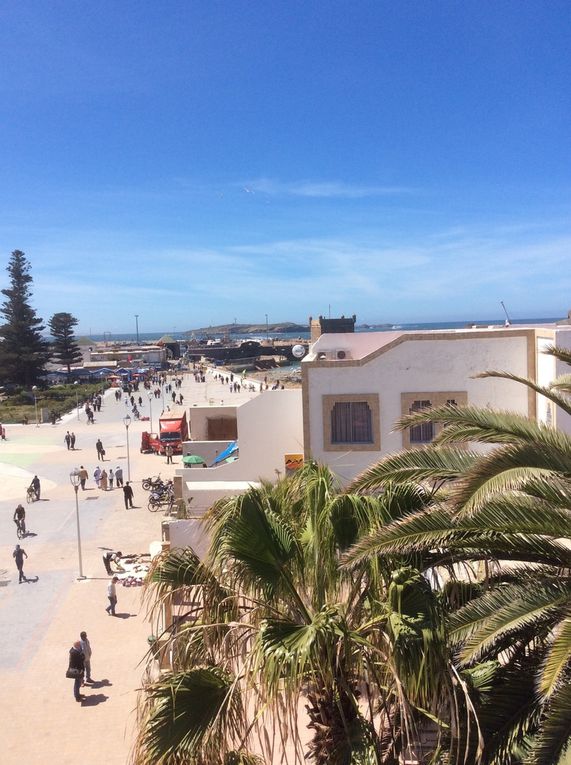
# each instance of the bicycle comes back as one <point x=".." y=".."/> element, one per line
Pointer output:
<point x="20" y="528"/>
<point x="31" y="495"/>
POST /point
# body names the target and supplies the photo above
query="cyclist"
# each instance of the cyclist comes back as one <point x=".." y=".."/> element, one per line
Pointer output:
<point x="20" y="518"/>
<point x="36" y="486"/>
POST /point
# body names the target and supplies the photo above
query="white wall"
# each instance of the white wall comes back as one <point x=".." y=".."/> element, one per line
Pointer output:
<point x="269" y="426"/>
<point x="415" y="365"/>
<point x="563" y="340"/>
<point x="189" y="533"/>
<point x="545" y="374"/>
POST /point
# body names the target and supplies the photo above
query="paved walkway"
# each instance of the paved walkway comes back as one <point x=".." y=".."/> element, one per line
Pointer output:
<point x="39" y="720"/>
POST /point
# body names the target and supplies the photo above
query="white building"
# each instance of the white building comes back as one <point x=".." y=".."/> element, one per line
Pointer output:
<point x="357" y="385"/>
<point x="267" y="428"/>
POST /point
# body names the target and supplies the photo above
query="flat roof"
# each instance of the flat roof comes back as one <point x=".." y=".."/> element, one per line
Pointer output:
<point x="228" y="486"/>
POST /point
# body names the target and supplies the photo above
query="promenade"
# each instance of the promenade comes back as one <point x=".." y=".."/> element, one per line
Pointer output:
<point x="40" y="722"/>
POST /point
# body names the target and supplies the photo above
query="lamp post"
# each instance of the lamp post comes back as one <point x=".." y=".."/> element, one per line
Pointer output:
<point x="34" y="389"/>
<point x="75" y="480"/>
<point x="151" y="410"/>
<point x="137" y="326"/>
<point x="127" y="422"/>
<point x="77" y="400"/>
<point x="267" y="328"/>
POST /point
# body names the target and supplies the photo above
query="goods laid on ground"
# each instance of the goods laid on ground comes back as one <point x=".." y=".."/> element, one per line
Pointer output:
<point x="135" y="569"/>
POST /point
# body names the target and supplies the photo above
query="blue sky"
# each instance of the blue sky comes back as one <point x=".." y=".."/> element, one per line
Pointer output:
<point x="200" y="162"/>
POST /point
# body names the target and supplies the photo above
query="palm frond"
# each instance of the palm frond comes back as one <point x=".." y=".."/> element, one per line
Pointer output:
<point x="558" y="658"/>
<point x="506" y="611"/>
<point x="507" y="706"/>
<point x="513" y="513"/>
<point x="242" y="758"/>
<point x="554" y="738"/>
<point x="508" y="468"/>
<point x="562" y="384"/>
<point x="423" y="464"/>
<point x="421" y="530"/>
<point x="563" y="354"/>
<point x="470" y="423"/>
<point x="291" y="652"/>
<point x="257" y="542"/>
<point x="190" y="714"/>
<point x="547" y="391"/>
<point x="456" y="538"/>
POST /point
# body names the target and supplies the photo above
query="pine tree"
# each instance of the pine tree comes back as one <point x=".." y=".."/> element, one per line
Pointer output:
<point x="23" y="351"/>
<point x="65" y="349"/>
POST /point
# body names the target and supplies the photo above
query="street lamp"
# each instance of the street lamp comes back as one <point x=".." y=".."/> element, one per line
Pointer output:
<point x="34" y="389"/>
<point x="75" y="481"/>
<point x="151" y="410"/>
<point x="267" y="328"/>
<point x="77" y="400"/>
<point x="127" y="422"/>
<point x="137" y="326"/>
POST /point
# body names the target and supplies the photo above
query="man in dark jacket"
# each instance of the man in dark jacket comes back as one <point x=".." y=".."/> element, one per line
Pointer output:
<point x="36" y="486"/>
<point x="77" y="663"/>
<point x="19" y="554"/>
<point x="128" y="495"/>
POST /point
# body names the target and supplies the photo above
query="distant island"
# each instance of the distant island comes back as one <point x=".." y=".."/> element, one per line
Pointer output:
<point x="250" y="329"/>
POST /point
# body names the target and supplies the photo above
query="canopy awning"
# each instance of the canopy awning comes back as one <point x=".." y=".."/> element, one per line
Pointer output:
<point x="228" y="451"/>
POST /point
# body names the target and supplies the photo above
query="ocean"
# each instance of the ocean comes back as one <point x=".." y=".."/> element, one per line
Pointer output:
<point x="149" y="337"/>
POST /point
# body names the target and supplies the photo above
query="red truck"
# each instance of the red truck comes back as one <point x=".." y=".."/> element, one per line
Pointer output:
<point x="173" y="430"/>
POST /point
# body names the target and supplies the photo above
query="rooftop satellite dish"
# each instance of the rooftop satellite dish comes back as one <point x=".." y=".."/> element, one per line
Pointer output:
<point x="298" y="351"/>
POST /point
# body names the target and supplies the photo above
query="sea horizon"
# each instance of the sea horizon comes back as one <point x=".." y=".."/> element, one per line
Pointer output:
<point x="126" y="337"/>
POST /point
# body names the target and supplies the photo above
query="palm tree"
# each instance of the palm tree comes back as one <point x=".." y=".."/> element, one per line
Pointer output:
<point x="508" y="508"/>
<point x="275" y="625"/>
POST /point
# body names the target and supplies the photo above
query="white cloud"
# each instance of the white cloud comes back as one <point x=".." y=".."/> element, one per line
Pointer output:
<point x="320" y="189"/>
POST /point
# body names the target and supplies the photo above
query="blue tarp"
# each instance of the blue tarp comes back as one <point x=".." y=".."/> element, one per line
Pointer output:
<point x="230" y="449"/>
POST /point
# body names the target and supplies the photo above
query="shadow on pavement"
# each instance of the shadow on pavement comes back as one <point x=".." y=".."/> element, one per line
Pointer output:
<point x="30" y="534"/>
<point x="124" y="616"/>
<point x="31" y="580"/>
<point x="99" y="684"/>
<point x="94" y="700"/>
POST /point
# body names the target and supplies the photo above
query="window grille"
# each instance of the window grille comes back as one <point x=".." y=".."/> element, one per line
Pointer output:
<point x="424" y="432"/>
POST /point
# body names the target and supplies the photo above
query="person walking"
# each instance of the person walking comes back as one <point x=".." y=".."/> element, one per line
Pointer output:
<point x="119" y="476"/>
<point x="112" y="595"/>
<point x="67" y="439"/>
<point x="111" y="478"/>
<point x="83" y="476"/>
<point x="100" y="449"/>
<point x="19" y="554"/>
<point x="72" y="440"/>
<point x="103" y="480"/>
<point x="97" y="476"/>
<point x="169" y="453"/>
<point x="128" y="495"/>
<point x="86" y="648"/>
<point x="76" y="668"/>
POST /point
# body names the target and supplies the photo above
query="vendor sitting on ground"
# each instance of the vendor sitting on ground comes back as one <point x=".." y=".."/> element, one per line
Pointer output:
<point x="112" y="557"/>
